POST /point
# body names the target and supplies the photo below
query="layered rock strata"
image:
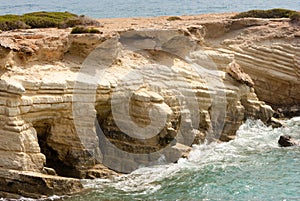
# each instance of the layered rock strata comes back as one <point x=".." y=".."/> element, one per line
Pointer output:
<point x="133" y="98"/>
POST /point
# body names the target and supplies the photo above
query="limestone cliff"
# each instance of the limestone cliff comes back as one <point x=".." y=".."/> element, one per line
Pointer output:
<point x="131" y="98"/>
<point x="268" y="51"/>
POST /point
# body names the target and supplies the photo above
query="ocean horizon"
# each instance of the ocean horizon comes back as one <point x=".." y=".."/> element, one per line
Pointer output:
<point x="135" y="8"/>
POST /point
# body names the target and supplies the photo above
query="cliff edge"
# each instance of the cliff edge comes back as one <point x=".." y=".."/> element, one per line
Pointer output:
<point x="125" y="98"/>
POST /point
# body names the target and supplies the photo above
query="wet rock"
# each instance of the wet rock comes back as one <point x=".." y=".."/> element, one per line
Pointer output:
<point x="288" y="111"/>
<point x="100" y="171"/>
<point x="287" y="141"/>
<point x="275" y="123"/>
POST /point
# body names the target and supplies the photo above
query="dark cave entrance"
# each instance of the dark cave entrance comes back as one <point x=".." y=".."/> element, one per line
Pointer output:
<point x="43" y="129"/>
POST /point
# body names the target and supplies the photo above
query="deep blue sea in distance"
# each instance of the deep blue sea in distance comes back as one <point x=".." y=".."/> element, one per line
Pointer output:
<point x="139" y="8"/>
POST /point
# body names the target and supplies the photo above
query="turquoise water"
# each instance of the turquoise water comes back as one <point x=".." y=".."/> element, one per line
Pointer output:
<point x="252" y="167"/>
<point x="134" y="8"/>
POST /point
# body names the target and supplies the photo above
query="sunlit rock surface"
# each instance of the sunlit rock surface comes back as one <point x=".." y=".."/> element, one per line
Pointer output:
<point x="127" y="99"/>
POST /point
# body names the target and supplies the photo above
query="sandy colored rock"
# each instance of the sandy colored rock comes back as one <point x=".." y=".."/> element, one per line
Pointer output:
<point x="237" y="73"/>
<point x="15" y="184"/>
<point x="129" y="98"/>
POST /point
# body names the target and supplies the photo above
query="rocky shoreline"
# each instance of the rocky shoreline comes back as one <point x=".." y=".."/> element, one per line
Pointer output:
<point x="50" y="105"/>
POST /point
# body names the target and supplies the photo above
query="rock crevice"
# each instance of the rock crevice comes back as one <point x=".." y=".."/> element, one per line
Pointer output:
<point x="70" y="104"/>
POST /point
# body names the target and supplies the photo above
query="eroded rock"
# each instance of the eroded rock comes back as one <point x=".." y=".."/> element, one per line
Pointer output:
<point x="14" y="184"/>
<point x="56" y="114"/>
<point x="237" y="73"/>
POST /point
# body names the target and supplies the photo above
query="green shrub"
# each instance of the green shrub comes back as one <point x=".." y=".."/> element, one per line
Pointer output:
<point x="81" y="30"/>
<point x="44" y="20"/>
<point x="174" y="18"/>
<point x="295" y="17"/>
<point x="93" y="30"/>
<point x="80" y="20"/>
<point x="273" y="13"/>
<point x="9" y="22"/>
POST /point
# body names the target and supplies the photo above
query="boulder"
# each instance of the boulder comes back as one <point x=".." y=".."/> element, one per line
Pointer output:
<point x="287" y="141"/>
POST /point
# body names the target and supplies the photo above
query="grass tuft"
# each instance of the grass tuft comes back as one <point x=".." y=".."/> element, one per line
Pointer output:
<point x="81" y="30"/>
<point x="44" y="20"/>
<point x="273" y="13"/>
<point x="295" y="17"/>
<point x="173" y="18"/>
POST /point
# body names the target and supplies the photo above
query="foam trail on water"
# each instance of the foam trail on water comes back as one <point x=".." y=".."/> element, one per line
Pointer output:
<point x="251" y="166"/>
<point x="252" y="137"/>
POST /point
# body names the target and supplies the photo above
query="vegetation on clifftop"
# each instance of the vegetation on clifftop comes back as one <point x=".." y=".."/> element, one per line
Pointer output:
<point x="81" y="30"/>
<point x="173" y="18"/>
<point x="44" y="20"/>
<point x="273" y="13"/>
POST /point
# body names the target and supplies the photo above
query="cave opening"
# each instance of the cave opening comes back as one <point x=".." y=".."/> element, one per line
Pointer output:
<point x="43" y="129"/>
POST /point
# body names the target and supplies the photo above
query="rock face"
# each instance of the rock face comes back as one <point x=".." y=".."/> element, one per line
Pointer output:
<point x="132" y="98"/>
<point x="270" y="55"/>
<point x="14" y="184"/>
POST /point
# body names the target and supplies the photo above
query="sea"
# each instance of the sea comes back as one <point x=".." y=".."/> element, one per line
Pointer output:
<point x="141" y="8"/>
<point x="252" y="167"/>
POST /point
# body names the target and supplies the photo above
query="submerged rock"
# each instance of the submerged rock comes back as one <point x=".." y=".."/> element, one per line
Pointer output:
<point x="287" y="141"/>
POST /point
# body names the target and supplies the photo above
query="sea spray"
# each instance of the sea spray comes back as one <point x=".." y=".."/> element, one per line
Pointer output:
<point x="251" y="167"/>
